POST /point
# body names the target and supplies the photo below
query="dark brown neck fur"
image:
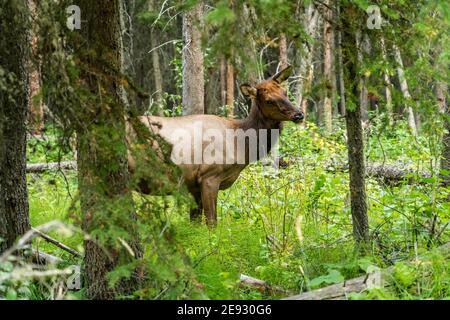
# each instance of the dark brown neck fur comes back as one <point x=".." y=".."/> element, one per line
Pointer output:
<point x="256" y="120"/>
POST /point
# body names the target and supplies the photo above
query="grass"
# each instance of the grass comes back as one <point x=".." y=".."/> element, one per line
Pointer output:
<point x="292" y="227"/>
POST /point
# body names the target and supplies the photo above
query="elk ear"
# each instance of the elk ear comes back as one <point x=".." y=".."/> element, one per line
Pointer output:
<point x="281" y="76"/>
<point x="248" y="91"/>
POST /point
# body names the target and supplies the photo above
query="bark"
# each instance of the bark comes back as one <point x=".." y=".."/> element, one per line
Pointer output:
<point x="230" y="89"/>
<point x="223" y="81"/>
<point x="441" y="92"/>
<point x="441" y="96"/>
<point x="325" y="108"/>
<point x="105" y="198"/>
<point x="260" y="285"/>
<point x="306" y="70"/>
<point x="361" y="45"/>
<point x="340" y="69"/>
<point x="341" y="290"/>
<point x="35" y="106"/>
<point x="193" y="69"/>
<point x="254" y="70"/>
<point x="157" y="77"/>
<point x="14" y="55"/>
<point x="387" y="85"/>
<point x="405" y="90"/>
<point x="357" y="174"/>
<point x="355" y="140"/>
<point x="42" y="167"/>
<point x="283" y="52"/>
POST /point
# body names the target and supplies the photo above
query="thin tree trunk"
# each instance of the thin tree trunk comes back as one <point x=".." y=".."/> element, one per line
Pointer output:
<point x="254" y="69"/>
<point x="355" y="140"/>
<point x="223" y="81"/>
<point x="441" y="95"/>
<point x="283" y="51"/>
<point x="306" y="70"/>
<point x="193" y="70"/>
<point x="340" y="67"/>
<point x="357" y="173"/>
<point x="387" y="85"/>
<point x="156" y="67"/>
<point x="14" y="57"/>
<point x="230" y="89"/>
<point x="361" y="45"/>
<point x="325" y="107"/>
<point x="105" y="197"/>
<point x="405" y="90"/>
<point x="35" y="107"/>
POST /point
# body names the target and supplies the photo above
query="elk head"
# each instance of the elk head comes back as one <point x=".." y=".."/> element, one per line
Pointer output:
<point x="271" y="98"/>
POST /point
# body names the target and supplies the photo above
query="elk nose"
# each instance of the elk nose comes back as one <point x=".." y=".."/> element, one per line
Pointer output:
<point x="298" y="116"/>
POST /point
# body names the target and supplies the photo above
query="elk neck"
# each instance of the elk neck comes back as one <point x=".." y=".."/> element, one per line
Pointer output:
<point x="257" y="121"/>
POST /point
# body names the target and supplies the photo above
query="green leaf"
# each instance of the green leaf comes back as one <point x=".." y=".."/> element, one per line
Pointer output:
<point x="333" y="276"/>
<point x="11" y="294"/>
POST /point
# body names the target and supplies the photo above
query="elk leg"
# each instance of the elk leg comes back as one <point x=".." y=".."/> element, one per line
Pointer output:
<point x="210" y="189"/>
<point x="196" y="213"/>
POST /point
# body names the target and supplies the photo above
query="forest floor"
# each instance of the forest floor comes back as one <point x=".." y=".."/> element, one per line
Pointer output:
<point x="292" y="227"/>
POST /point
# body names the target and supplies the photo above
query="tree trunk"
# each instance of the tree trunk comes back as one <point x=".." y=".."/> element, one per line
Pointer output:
<point x="405" y="90"/>
<point x="230" y="89"/>
<point x="283" y="52"/>
<point x="306" y="70"/>
<point x="254" y="70"/>
<point x="105" y="197"/>
<point x="441" y="94"/>
<point x="35" y="107"/>
<point x="325" y="108"/>
<point x="361" y="47"/>
<point x="387" y="85"/>
<point x="157" y="100"/>
<point x="193" y="70"/>
<point x="14" y="55"/>
<point x="223" y="81"/>
<point x="355" y="140"/>
<point x="340" y="68"/>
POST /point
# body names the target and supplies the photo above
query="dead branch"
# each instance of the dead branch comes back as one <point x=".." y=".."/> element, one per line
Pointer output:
<point x="57" y="243"/>
<point x="25" y="240"/>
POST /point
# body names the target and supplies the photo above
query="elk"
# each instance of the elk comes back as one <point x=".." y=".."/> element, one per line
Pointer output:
<point x="270" y="106"/>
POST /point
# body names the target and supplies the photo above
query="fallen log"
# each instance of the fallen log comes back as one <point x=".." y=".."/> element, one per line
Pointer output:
<point x="41" y="167"/>
<point x="393" y="174"/>
<point x="388" y="173"/>
<point x="261" y="285"/>
<point x="340" y="291"/>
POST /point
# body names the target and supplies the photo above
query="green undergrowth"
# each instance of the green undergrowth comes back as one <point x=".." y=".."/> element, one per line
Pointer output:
<point x="291" y="227"/>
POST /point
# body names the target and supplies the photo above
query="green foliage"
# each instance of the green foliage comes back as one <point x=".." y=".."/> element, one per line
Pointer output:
<point x="291" y="228"/>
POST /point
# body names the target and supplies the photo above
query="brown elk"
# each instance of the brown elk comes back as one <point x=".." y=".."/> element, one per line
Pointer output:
<point x="270" y="107"/>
